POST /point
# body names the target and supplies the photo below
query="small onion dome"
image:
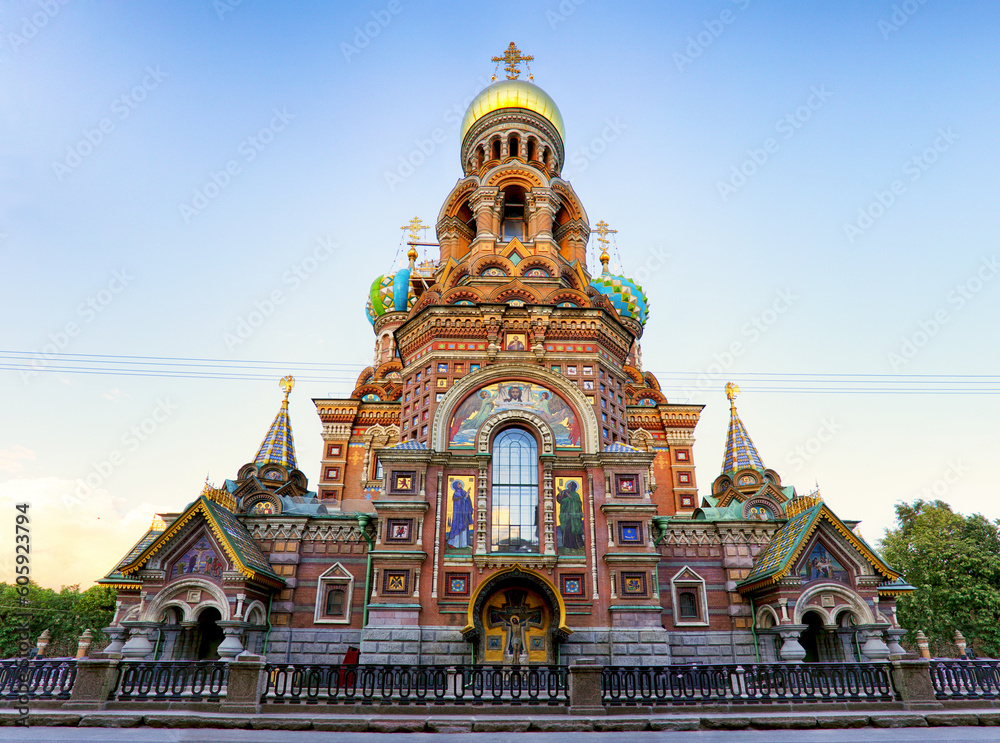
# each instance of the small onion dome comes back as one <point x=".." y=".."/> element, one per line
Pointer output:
<point x="626" y="295"/>
<point x="513" y="94"/>
<point x="390" y="293"/>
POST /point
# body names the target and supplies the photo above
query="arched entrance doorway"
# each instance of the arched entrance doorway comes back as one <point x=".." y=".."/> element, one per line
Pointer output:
<point x="516" y="618"/>
<point x="210" y="634"/>
<point x="821" y="645"/>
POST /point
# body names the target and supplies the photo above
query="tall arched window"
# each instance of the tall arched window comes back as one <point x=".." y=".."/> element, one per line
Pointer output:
<point x="515" y="492"/>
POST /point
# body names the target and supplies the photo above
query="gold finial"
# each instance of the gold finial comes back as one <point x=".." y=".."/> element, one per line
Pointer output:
<point x="603" y="230"/>
<point x="414" y="227"/>
<point x="512" y="56"/>
<point x="286" y="385"/>
<point x="732" y="390"/>
<point x="158" y="524"/>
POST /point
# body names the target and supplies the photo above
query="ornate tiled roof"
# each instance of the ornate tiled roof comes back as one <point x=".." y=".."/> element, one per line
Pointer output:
<point x="776" y="560"/>
<point x="116" y="577"/>
<point x="626" y="295"/>
<point x="278" y="446"/>
<point x="895" y="588"/>
<point x="620" y="447"/>
<point x="409" y="444"/>
<point x="239" y="546"/>
<point x="740" y="451"/>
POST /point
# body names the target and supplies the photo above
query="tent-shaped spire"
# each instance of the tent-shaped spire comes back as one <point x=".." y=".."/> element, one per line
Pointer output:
<point x="278" y="446"/>
<point x="740" y="451"/>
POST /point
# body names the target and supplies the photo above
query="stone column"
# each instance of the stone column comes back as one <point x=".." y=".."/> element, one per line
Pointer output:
<point x="585" y="688"/>
<point x="483" y="202"/>
<point x="231" y="646"/>
<point x="873" y="649"/>
<point x="791" y="650"/>
<point x="171" y="638"/>
<point x="548" y="510"/>
<point x="247" y="683"/>
<point x="896" y="650"/>
<point x="138" y="646"/>
<point x="117" y="635"/>
<point x="95" y="681"/>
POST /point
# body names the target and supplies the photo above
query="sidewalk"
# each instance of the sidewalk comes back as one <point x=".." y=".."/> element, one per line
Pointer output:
<point x="317" y="719"/>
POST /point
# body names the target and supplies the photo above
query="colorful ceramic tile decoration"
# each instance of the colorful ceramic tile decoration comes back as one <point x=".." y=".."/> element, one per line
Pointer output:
<point x="629" y="532"/>
<point x="396" y="581"/>
<point x="633" y="584"/>
<point x="398" y="530"/>
<point x="572" y="585"/>
<point x="458" y="584"/>
<point x="480" y="405"/>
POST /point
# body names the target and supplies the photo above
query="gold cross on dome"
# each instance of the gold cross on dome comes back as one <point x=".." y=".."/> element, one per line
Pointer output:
<point x="286" y="385"/>
<point x="415" y="226"/>
<point x="512" y="56"/>
<point x="603" y="230"/>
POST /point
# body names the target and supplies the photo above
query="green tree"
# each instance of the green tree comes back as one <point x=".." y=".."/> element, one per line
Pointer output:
<point x="954" y="563"/>
<point x="65" y="614"/>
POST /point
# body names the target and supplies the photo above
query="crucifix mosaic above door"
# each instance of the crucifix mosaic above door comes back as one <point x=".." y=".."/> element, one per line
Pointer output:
<point x="516" y="623"/>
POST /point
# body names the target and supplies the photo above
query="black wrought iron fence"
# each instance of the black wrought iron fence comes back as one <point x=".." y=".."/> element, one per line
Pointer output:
<point x="37" y="679"/>
<point x="303" y="683"/>
<point x="171" y="680"/>
<point x="745" y="684"/>
<point x="966" y="679"/>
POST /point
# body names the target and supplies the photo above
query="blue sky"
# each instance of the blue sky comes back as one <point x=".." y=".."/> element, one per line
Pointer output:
<point x="802" y="188"/>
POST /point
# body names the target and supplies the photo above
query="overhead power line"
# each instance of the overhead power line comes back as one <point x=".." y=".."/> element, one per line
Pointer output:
<point x="676" y="384"/>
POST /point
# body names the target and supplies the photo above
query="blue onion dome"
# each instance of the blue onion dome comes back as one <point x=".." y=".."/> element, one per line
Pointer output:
<point x="390" y="293"/>
<point x="626" y="295"/>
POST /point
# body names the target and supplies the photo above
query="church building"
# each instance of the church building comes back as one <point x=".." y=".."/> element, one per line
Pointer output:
<point x="506" y="484"/>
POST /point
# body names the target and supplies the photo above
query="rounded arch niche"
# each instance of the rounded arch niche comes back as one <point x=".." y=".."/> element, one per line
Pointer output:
<point x="506" y="599"/>
<point x="553" y="384"/>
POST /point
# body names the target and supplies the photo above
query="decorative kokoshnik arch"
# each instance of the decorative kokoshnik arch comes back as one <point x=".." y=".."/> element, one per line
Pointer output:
<point x="577" y="402"/>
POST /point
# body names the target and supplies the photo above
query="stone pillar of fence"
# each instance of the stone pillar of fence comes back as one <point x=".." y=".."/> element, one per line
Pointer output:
<point x="585" y="687"/>
<point x="912" y="679"/>
<point x="95" y="680"/>
<point x="960" y="643"/>
<point x="923" y="644"/>
<point x="247" y="682"/>
<point x="84" y="643"/>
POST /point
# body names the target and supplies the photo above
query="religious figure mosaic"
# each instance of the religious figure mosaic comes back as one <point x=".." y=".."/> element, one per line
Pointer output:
<point x="569" y="515"/>
<point x="199" y="560"/>
<point x="459" y="518"/>
<point x="821" y="565"/>
<point x="516" y="621"/>
<point x="475" y="409"/>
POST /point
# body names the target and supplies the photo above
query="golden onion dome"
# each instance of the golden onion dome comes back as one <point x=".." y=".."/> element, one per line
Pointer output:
<point x="513" y="94"/>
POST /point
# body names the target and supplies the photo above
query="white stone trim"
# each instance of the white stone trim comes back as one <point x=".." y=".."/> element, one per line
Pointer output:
<point x="856" y="604"/>
<point x="336" y="574"/>
<point x="688" y="578"/>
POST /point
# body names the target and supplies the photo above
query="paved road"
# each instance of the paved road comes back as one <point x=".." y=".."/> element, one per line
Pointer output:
<point x="159" y="735"/>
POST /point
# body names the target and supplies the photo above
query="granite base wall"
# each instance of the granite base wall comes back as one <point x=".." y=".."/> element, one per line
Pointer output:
<point x="614" y="646"/>
<point x="308" y="645"/>
<point x="618" y="646"/>
<point x="692" y="646"/>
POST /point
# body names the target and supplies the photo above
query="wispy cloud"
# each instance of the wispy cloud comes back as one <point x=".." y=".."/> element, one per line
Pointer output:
<point x="11" y="459"/>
